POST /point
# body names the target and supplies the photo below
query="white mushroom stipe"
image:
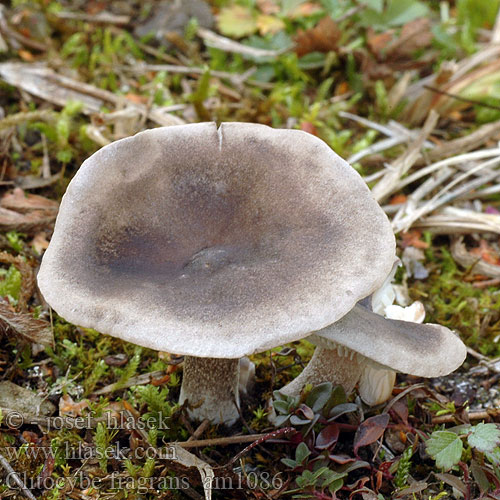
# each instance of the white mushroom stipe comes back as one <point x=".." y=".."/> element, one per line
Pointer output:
<point x="210" y="389"/>
<point x="388" y="345"/>
<point x="246" y="376"/>
<point x="337" y="365"/>
<point x="376" y="384"/>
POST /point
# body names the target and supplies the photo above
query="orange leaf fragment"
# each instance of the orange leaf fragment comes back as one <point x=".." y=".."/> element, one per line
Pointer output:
<point x="324" y="37"/>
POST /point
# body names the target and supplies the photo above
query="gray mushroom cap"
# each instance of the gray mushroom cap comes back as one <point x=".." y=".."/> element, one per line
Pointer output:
<point x="425" y="350"/>
<point x="215" y="242"/>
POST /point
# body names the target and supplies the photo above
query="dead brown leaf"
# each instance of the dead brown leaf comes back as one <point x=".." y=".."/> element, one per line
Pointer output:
<point x="18" y="200"/>
<point x="24" y="326"/>
<point x="67" y="406"/>
<point x="268" y="7"/>
<point x="378" y="42"/>
<point x="413" y="239"/>
<point x="26" y="212"/>
<point x="414" y="35"/>
<point x="323" y="37"/>
<point x="304" y="10"/>
<point x="40" y="242"/>
<point x="486" y="252"/>
<point x="386" y="46"/>
<point x="473" y="263"/>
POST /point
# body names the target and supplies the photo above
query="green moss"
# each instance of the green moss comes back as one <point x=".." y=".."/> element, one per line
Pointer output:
<point x="454" y="302"/>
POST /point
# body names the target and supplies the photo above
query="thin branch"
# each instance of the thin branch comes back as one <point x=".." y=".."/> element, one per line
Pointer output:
<point x="400" y="167"/>
<point x="462" y="99"/>
<point x="212" y="39"/>
<point x="12" y="474"/>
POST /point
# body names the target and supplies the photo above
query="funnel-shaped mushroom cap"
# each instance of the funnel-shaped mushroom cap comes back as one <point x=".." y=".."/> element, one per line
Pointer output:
<point x="425" y="350"/>
<point x="215" y="242"/>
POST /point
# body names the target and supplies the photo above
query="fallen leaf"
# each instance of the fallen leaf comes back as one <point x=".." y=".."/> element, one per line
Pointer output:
<point x="167" y="16"/>
<point x="398" y="198"/>
<point x="137" y="98"/>
<point x="327" y="437"/>
<point x="187" y="459"/>
<point x="40" y="242"/>
<point x="116" y="359"/>
<point x="68" y="407"/>
<point x="487" y="253"/>
<point x="268" y="7"/>
<point x="18" y="200"/>
<point x="26" y="212"/>
<point x="304" y="10"/>
<point x="414" y="35"/>
<point x="25" y="55"/>
<point x="400" y="408"/>
<point x="24" y="326"/>
<point x="378" y="42"/>
<point x="370" y="430"/>
<point x="160" y="381"/>
<point x="236" y="21"/>
<point x="47" y="470"/>
<point x="269" y="24"/>
<point x="413" y="239"/>
<point x="322" y="38"/>
<point x="309" y="127"/>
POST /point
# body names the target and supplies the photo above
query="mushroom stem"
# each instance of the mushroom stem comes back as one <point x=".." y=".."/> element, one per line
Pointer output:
<point x="340" y="366"/>
<point x="210" y="387"/>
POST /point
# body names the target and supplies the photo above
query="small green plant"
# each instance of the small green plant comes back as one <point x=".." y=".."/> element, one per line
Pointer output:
<point x="130" y="370"/>
<point x="315" y="416"/>
<point x="403" y="471"/>
<point x="475" y="447"/>
<point x="103" y="438"/>
<point x="15" y="240"/>
<point x="10" y="283"/>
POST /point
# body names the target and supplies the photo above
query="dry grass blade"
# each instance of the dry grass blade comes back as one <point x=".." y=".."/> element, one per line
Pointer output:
<point x="18" y="118"/>
<point x="453" y="220"/>
<point x="236" y="79"/>
<point x="409" y="213"/>
<point x="389" y="182"/>
<point x="41" y="81"/>
<point x="24" y="326"/>
<point x="211" y="39"/>
<point x="187" y="459"/>
<point x="101" y="17"/>
<point x="454" y="160"/>
<point x="463" y="144"/>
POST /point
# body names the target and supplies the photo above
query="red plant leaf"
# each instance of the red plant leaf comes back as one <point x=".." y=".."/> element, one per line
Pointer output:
<point x="327" y="437"/>
<point x="370" y="430"/>
<point x="400" y="408"/>
<point x="341" y="459"/>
